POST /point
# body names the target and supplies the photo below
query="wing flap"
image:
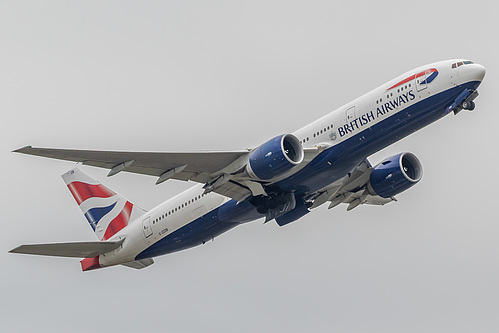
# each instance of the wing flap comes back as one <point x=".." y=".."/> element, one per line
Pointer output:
<point x="74" y="249"/>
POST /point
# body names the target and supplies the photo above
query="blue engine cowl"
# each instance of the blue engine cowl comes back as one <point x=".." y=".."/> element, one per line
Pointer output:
<point x="275" y="157"/>
<point x="395" y="175"/>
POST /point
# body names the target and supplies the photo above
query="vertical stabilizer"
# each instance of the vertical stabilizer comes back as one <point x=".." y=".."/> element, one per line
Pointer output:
<point x="105" y="210"/>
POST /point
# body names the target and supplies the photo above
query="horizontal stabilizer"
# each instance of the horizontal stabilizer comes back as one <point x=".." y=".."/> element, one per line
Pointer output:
<point x="75" y="249"/>
<point x="139" y="264"/>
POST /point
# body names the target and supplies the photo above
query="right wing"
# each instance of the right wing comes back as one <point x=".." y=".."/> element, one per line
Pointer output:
<point x="75" y="249"/>
<point x="353" y="189"/>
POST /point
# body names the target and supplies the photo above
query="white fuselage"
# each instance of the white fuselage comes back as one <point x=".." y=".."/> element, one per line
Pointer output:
<point x="347" y="122"/>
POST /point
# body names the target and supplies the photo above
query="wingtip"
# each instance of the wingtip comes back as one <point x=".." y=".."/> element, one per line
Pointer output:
<point x="15" y="250"/>
<point x="22" y="150"/>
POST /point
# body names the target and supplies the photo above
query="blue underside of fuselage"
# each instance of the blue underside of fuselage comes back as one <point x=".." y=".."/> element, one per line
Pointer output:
<point x="195" y="233"/>
<point x="331" y="165"/>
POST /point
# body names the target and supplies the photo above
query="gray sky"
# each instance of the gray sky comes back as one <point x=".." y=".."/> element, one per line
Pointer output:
<point x="165" y="75"/>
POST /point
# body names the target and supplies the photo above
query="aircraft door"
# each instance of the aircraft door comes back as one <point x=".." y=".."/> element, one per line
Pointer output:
<point x="350" y="114"/>
<point x="421" y="82"/>
<point x="146" y="227"/>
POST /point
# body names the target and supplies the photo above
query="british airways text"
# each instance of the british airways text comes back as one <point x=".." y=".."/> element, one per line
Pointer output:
<point x="372" y="115"/>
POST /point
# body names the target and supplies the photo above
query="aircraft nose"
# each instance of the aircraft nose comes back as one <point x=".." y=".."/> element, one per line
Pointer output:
<point x="471" y="72"/>
<point x="479" y="72"/>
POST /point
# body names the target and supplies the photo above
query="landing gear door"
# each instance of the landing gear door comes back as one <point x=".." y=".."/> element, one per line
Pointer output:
<point x="421" y="83"/>
<point x="146" y="227"/>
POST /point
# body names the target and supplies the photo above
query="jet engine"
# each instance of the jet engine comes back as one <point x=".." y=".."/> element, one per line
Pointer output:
<point x="275" y="157"/>
<point x="395" y="175"/>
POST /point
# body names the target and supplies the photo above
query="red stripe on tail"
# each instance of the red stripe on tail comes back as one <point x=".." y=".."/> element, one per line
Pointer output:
<point x="82" y="191"/>
<point x="119" y="222"/>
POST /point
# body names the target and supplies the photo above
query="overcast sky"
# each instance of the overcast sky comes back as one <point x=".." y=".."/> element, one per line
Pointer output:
<point x="222" y="75"/>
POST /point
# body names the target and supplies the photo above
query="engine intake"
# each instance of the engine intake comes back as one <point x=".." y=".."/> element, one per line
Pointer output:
<point x="275" y="157"/>
<point x="395" y="175"/>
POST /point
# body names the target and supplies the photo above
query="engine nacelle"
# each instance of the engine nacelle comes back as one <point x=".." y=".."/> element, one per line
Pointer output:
<point x="275" y="157"/>
<point x="395" y="175"/>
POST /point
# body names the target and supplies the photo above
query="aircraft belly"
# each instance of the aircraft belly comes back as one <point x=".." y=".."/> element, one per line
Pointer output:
<point x="192" y="234"/>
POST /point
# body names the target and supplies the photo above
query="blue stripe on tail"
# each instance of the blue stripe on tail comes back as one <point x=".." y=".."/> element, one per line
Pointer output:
<point x="94" y="215"/>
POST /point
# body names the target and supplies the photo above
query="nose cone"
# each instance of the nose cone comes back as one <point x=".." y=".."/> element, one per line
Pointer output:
<point x="472" y="72"/>
<point x="479" y="72"/>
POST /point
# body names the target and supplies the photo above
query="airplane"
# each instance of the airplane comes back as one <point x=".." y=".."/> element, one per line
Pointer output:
<point x="283" y="179"/>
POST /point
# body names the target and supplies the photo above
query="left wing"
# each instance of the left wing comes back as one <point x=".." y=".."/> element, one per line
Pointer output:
<point x="203" y="167"/>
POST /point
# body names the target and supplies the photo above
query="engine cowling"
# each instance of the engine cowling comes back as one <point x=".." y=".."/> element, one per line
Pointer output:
<point x="395" y="175"/>
<point x="275" y="157"/>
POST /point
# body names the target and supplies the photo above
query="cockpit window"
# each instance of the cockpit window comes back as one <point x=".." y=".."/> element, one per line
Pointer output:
<point x="461" y="63"/>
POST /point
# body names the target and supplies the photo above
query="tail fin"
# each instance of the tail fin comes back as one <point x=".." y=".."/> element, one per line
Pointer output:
<point x="106" y="211"/>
